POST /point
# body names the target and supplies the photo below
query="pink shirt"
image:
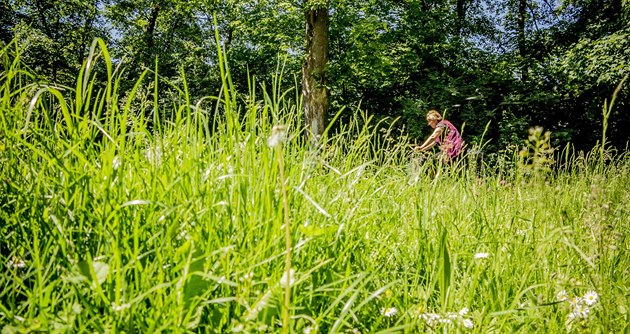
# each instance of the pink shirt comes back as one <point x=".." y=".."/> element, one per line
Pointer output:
<point x="450" y="141"/>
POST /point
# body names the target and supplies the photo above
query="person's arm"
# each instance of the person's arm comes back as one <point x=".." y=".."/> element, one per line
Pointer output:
<point x="430" y="142"/>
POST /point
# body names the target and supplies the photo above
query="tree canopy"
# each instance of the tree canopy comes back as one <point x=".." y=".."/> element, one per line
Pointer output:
<point x="511" y="64"/>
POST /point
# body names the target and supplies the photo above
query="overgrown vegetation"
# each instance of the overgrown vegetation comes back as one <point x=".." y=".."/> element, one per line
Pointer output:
<point x="115" y="219"/>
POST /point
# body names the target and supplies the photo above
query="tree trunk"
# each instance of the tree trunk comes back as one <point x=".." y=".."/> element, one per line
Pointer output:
<point x="461" y="16"/>
<point x="314" y="89"/>
<point x="522" y="47"/>
<point x="150" y="32"/>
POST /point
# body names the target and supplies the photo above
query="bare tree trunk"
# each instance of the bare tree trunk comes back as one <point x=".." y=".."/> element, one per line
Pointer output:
<point x="314" y="89"/>
<point x="150" y="32"/>
<point x="461" y="16"/>
<point x="522" y="47"/>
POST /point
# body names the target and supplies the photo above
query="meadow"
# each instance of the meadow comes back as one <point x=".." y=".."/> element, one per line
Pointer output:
<point x="120" y="213"/>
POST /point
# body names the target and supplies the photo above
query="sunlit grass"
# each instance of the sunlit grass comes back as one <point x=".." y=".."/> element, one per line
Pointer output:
<point x="115" y="220"/>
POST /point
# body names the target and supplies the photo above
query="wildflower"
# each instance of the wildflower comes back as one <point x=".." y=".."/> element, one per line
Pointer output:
<point x="16" y="263"/>
<point x="246" y="277"/>
<point x="309" y="330"/>
<point x="590" y="298"/>
<point x="118" y="308"/>
<point x="283" y="280"/>
<point x="464" y="311"/>
<point x="468" y="323"/>
<point x="116" y="162"/>
<point x="481" y="255"/>
<point x="581" y="311"/>
<point x="575" y="301"/>
<point x="238" y="328"/>
<point x="431" y="318"/>
<point x="389" y="311"/>
<point x="183" y="234"/>
<point x="278" y="136"/>
<point x="562" y="295"/>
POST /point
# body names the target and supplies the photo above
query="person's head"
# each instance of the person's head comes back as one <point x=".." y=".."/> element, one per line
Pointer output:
<point x="433" y="117"/>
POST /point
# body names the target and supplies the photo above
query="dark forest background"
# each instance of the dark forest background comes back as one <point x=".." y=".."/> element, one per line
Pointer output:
<point x="512" y="64"/>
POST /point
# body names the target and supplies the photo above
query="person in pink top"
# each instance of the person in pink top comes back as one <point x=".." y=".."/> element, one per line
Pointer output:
<point x="445" y="135"/>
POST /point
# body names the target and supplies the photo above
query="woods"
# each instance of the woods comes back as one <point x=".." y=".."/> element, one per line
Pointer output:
<point x="511" y="64"/>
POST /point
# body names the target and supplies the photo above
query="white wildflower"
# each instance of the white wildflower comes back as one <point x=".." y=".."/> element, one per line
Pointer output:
<point x="431" y="318"/>
<point x="575" y="301"/>
<point x="389" y="311"/>
<point x="562" y="295"/>
<point x="481" y="255"/>
<point x="308" y="330"/>
<point x="16" y="263"/>
<point x="590" y="298"/>
<point x="118" y="308"/>
<point x="581" y="311"/>
<point x="238" y="328"/>
<point x="283" y="280"/>
<point x="183" y="234"/>
<point x="468" y="323"/>
<point x="116" y="162"/>
<point x="464" y="311"/>
<point x="246" y="277"/>
<point x="278" y="135"/>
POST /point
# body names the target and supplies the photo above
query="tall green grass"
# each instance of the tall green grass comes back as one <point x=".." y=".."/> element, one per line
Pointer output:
<point x="115" y="220"/>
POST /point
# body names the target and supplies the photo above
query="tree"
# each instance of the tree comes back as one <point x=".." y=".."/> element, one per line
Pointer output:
<point x="6" y="21"/>
<point x="55" y="35"/>
<point x="314" y="85"/>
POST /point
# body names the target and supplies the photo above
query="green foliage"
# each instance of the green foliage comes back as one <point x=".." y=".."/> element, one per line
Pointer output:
<point x="315" y="4"/>
<point x="53" y="35"/>
<point x="112" y="224"/>
<point x="396" y="59"/>
<point x="603" y="61"/>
